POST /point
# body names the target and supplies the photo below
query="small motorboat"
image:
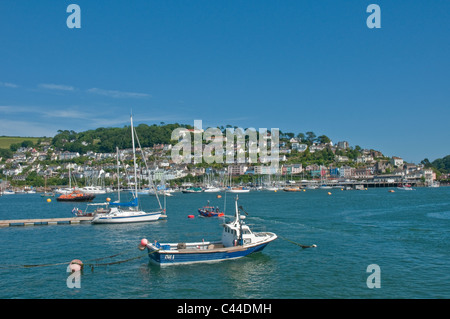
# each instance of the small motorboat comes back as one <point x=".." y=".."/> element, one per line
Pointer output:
<point x="192" y="190"/>
<point x="293" y="189"/>
<point x="210" y="211"/>
<point x="238" y="190"/>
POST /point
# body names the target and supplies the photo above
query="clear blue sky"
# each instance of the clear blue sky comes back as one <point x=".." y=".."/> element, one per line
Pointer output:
<point x="289" y="64"/>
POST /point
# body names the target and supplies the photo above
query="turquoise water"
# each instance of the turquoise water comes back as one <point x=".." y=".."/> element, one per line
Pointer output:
<point x="405" y="233"/>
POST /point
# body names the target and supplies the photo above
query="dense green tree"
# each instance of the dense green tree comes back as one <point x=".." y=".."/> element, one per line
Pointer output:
<point x="323" y="139"/>
<point x="310" y="137"/>
<point x="442" y="164"/>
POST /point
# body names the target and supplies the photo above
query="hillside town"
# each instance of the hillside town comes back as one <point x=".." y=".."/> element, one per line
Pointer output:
<point x="323" y="163"/>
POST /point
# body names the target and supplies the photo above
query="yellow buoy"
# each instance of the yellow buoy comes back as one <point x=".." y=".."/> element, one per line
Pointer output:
<point x="219" y="196"/>
<point x="304" y="190"/>
<point x="49" y="200"/>
<point x="329" y="193"/>
<point x="275" y="191"/>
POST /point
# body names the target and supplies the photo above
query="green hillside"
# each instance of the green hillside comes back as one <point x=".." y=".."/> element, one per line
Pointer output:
<point x="7" y="141"/>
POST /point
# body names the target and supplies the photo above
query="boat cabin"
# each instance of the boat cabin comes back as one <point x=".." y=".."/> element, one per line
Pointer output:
<point x="237" y="233"/>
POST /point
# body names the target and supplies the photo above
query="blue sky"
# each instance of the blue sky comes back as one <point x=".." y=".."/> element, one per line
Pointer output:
<point x="295" y="65"/>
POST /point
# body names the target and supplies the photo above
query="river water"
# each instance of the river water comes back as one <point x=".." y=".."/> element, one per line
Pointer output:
<point x="404" y="235"/>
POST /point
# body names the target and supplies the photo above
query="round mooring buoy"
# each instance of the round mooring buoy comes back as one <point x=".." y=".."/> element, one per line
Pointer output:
<point x="76" y="265"/>
<point x="143" y="244"/>
<point x="49" y="200"/>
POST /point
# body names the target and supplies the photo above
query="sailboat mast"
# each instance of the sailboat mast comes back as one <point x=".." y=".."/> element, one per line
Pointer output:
<point x="118" y="174"/>
<point x="134" y="158"/>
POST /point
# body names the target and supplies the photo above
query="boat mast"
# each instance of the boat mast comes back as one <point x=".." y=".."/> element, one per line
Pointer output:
<point x="118" y="174"/>
<point x="238" y="221"/>
<point x="134" y="158"/>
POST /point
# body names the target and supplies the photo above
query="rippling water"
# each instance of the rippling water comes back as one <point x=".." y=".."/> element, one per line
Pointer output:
<point x="405" y="233"/>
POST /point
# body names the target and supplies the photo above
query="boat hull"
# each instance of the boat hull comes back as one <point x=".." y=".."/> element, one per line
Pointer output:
<point x="239" y="191"/>
<point x="108" y="219"/>
<point x="189" y="256"/>
<point x="206" y="213"/>
<point x="85" y="198"/>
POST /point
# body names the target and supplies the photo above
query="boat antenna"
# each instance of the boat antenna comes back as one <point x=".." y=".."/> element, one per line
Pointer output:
<point x="239" y="221"/>
<point x="241" y="208"/>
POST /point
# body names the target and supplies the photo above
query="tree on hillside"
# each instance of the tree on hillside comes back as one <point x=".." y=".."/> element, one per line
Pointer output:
<point x="323" y="139"/>
<point x="442" y="164"/>
<point x="301" y="137"/>
<point x="310" y="137"/>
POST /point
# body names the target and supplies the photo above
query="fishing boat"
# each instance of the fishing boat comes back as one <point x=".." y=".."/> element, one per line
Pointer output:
<point x="237" y="241"/>
<point x="127" y="212"/>
<point x="210" y="211"/>
<point x="75" y="196"/>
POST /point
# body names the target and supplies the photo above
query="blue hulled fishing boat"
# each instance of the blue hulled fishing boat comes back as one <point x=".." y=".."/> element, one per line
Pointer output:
<point x="237" y="241"/>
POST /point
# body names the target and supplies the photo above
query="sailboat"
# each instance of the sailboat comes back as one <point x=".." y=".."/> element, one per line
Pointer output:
<point x="127" y="212"/>
<point x="45" y="193"/>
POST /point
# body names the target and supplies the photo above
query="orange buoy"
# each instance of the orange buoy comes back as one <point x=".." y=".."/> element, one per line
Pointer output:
<point x="219" y="196"/>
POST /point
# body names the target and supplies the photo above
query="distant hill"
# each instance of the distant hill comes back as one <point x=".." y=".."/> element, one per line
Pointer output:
<point x="105" y="140"/>
<point x="442" y="164"/>
<point x="7" y="141"/>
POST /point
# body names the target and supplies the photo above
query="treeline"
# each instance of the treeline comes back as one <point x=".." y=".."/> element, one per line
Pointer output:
<point x="105" y="140"/>
<point x="441" y="164"/>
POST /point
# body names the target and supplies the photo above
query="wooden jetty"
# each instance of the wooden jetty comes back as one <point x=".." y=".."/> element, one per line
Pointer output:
<point x="51" y="221"/>
<point x="45" y="221"/>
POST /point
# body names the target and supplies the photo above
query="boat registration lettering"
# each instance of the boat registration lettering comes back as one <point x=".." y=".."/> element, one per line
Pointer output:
<point x="169" y="257"/>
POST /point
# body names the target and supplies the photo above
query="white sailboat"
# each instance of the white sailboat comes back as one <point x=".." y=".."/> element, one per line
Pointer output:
<point x="127" y="212"/>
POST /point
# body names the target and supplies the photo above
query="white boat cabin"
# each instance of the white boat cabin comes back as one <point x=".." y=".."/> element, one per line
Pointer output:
<point x="231" y="234"/>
